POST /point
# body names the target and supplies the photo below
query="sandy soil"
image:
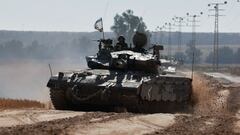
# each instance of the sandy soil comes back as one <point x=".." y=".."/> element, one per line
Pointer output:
<point x="216" y="111"/>
<point x="12" y="117"/>
<point x="128" y="126"/>
<point x="68" y="122"/>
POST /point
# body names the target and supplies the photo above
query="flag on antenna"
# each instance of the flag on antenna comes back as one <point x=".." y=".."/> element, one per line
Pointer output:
<point x="99" y="25"/>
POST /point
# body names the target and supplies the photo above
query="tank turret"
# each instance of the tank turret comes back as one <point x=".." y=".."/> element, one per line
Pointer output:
<point x="137" y="58"/>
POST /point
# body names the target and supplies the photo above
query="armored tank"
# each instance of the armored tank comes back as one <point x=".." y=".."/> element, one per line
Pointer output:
<point x="131" y="78"/>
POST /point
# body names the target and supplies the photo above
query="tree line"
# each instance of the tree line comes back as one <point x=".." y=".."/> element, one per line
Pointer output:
<point x="226" y="55"/>
<point x="16" y="49"/>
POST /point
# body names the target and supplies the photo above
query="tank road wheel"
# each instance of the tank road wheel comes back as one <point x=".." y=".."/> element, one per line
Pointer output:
<point x="59" y="99"/>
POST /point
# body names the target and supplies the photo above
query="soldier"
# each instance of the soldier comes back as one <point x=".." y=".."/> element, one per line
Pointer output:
<point x="121" y="45"/>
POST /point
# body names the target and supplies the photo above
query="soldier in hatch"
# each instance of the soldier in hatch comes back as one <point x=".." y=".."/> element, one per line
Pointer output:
<point x="121" y="45"/>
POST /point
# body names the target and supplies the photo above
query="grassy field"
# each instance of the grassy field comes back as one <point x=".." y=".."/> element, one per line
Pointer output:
<point x="16" y="104"/>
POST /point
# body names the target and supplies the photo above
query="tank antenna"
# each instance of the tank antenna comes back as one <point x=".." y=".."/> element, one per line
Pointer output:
<point x="104" y="17"/>
<point x="50" y="69"/>
<point x="102" y="30"/>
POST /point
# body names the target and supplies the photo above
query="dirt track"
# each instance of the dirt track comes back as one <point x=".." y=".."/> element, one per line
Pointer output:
<point x="61" y="122"/>
<point x="216" y="112"/>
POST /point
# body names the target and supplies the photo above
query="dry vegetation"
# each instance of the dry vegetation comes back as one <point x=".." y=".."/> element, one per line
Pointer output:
<point x="207" y="97"/>
<point x="12" y="103"/>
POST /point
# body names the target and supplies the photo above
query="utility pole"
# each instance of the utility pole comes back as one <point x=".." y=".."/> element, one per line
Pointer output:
<point x="161" y="34"/>
<point x="178" y="21"/>
<point x="169" y="28"/>
<point x="193" y="22"/>
<point x="156" y="34"/>
<point x="193" y="25"/>
<point x="216" y="9"/>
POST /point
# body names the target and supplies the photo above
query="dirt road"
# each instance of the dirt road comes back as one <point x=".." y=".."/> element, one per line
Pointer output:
<point x="69" y="122"/>
<point x="216" y="111"/>
<point x="224" y="76"/>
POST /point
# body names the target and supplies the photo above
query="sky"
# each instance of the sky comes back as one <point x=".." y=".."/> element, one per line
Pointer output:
<point x="80" y="15"/>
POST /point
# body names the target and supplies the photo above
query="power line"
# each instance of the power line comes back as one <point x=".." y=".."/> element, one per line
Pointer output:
<point x="179" y="22"/>
<point x="161" y="34"/>
<point x="155" y="34"/>
<point x="216" y="16"/>
<point x="169" y="28"/>
<point x="193" y="22"/>
<point x="159" y="31"/>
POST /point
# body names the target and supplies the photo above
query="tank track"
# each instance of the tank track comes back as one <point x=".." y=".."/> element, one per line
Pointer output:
<point x="59" y="100"/>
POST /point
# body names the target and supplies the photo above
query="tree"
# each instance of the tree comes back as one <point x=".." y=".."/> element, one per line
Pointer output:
<point x="38" y="51"/>
<point x="209" y="58"/>
<point x="13" y="49"/>
<point x="83" y="45"/>
<point x="180" y="56"/>
<point x="225" y="56"/>
<point x="237" y="56"/>
<point x="127" y="23"/>
<point x="189" y="53"/>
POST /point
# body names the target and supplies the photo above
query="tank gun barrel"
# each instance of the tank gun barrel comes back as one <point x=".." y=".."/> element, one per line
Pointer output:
<point x="160" y="47"/>
<point x="156" y="50"/>
<point x="96" y="40"/>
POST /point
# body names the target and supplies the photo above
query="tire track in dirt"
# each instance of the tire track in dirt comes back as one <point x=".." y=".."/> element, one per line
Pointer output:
<point x="62" y="126"/>
<point x="97" y="123"/>
<point x="30" y="116"/>
<point x="137" y="125"/>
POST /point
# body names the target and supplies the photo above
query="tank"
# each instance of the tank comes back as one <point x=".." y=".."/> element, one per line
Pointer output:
<point x="132" y="79"/>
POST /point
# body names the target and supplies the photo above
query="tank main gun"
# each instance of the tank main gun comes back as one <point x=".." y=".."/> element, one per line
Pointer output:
<point x="133" y="59"/>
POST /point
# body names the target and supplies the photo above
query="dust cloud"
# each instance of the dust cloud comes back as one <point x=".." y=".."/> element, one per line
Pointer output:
<point x="27" y="78"/>
<point x="24" y="70"/>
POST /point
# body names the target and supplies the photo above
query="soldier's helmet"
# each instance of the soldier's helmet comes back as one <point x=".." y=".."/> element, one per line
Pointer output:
<point x="121" y="38"/>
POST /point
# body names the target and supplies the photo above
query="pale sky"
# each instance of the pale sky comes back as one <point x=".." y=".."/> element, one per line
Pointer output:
<point x="80" y="15"/>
